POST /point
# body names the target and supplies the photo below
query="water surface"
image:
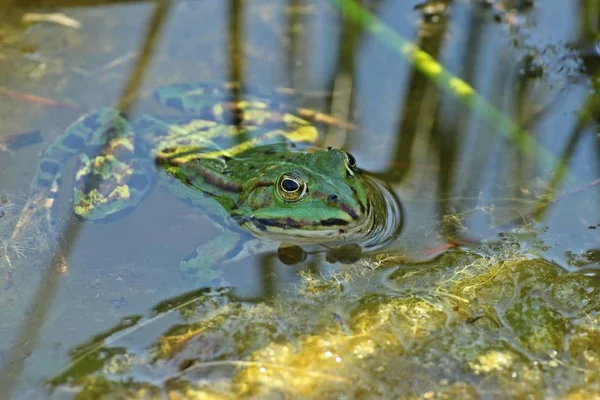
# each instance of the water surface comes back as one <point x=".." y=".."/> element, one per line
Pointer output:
<point x="525" y="271"/>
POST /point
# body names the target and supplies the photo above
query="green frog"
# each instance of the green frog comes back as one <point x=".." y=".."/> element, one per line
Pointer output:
<point x="241" y="159"/>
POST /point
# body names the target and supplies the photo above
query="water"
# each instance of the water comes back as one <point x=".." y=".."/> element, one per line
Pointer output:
<point x="452" y="323"/>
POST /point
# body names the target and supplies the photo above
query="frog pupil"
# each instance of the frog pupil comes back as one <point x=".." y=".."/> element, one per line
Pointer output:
<point x="289" y="185"/>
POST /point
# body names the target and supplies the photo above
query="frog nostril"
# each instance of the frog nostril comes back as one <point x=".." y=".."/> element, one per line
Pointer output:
<point x="332" y="198"/>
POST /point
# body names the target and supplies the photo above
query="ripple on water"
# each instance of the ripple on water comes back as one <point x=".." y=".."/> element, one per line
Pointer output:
<point x="387" y="214"/>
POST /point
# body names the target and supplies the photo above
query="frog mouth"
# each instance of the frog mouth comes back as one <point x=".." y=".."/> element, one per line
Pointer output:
<point x="328" y="230"/>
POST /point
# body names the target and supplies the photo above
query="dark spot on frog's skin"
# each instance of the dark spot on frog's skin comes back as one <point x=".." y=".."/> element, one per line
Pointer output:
<point x="168" y="149"/>
<point x="138" y="182"/>
<point x="211" y="179"/>
<point x="349" y="211"/>
<point x="260" y="226"/>
<point x="332" y="221"/>
<point x="280" y="223"/>
<point x="188" y="181"/>
<point x="332" y="198"/>
<point x="91" y="122"/>
<point x="49" y="167"/>
<point x="282" y="158"/>
<point x="175" y="102"/>
<point x="270" y="151"/>
<point x="73" y="142"/>
<point x="251" y="167"/>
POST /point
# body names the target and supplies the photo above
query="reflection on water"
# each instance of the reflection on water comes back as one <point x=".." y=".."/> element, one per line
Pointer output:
<point x="291" y="317"/>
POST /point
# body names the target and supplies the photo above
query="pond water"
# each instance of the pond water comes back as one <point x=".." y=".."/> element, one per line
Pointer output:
<point x="485" y="283"/>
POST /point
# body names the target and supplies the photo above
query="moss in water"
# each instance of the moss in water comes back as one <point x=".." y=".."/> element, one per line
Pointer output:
<point x="539" y="328"/>
<point x="463" y="325"/>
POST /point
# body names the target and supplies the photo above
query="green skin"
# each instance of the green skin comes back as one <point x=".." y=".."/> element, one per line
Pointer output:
<point x="268" y="187"/>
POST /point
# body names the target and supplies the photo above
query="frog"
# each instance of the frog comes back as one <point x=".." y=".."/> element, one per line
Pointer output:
<point x="242" y="159"/>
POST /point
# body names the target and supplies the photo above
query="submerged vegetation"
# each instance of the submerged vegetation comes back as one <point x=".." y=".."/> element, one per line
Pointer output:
<point x="462" y="325"/>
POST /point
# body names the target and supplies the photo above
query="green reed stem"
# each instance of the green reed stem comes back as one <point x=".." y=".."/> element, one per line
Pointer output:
<point x="460" y="89"/>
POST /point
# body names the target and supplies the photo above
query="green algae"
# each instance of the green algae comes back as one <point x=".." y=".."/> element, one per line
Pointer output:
<point x="537" y="327"/>
<point x="461" y="325"/>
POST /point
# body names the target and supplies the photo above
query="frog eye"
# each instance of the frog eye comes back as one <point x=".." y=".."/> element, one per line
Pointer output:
<point x="350" y="163"/>
<point x="291" y="187"/>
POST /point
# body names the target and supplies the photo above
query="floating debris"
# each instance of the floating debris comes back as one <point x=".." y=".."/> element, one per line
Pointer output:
<point x="55" y="18"/>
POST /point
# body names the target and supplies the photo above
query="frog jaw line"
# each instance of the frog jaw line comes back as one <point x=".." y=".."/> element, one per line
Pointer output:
<point x="286" y="229"/>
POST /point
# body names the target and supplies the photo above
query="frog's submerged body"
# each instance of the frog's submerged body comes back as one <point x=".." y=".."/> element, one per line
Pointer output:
<point x="235" y="160"/>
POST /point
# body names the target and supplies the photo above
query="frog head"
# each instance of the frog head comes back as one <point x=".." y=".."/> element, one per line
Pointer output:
<point x="304" y="196"/>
